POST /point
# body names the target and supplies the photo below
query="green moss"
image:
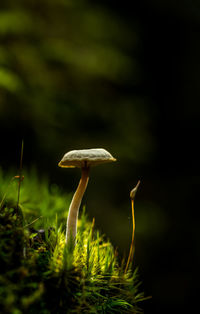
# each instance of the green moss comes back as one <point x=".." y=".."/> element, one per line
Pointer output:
<point x="40" y="274"/>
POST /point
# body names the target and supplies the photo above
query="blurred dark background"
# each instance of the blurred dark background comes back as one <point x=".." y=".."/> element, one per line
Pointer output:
<point x="80" y="74"/>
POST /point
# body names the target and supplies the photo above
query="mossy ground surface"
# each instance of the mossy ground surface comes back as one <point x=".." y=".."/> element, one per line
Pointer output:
<point x="39" y="274"/>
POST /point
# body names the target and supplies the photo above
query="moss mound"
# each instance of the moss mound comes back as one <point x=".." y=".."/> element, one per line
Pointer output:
<point x="39" y="274"/>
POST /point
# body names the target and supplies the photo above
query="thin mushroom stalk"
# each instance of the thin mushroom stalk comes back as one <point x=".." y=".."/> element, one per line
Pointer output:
<point x="72" y="218"/>
<point x="132" y="197"/>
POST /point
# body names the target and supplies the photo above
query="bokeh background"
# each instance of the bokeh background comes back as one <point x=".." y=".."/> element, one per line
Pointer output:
<point x="125" y="77"/>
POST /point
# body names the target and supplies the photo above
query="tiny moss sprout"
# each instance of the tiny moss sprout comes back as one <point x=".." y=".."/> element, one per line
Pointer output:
<point x="132" y="197"/>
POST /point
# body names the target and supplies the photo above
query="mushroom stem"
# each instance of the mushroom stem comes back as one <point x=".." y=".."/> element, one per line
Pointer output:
<point x="75" y="205"/>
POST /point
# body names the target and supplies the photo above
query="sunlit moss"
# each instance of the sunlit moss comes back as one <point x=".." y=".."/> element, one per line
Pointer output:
<point x="43" y="274"/>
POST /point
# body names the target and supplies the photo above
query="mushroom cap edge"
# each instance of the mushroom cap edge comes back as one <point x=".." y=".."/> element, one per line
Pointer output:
<point x="90" y="157"/>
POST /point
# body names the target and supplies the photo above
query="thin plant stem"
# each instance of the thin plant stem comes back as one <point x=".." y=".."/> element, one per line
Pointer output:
<point x="132" y="196"/>
<point x="130" y="257"/>
<point x="32" y="222"/>
<point x="20" y="172"/>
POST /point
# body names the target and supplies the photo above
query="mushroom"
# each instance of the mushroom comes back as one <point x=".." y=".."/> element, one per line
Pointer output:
<point x="84" y="159"/>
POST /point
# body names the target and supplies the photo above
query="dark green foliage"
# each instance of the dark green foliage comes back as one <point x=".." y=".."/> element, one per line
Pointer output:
<point x="11" y="235"/>
<point x="40" y="274"/>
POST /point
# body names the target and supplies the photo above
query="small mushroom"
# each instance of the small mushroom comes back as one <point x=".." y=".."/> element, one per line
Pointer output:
<point x="84" y="159"/>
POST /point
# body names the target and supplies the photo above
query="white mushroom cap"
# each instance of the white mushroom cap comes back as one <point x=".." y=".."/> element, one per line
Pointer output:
<point x="85" y="158"/>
